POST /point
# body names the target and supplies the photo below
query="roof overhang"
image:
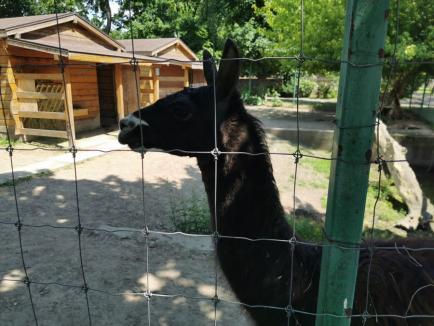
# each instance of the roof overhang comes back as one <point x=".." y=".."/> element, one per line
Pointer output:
<point x="71" y="54"/>
<point x="61" y="19"/>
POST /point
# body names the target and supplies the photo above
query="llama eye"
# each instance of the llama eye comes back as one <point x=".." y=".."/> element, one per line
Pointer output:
<point x="182" y="113"/>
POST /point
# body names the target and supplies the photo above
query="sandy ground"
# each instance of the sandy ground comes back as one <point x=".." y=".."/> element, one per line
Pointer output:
<point x="110" y="198"/>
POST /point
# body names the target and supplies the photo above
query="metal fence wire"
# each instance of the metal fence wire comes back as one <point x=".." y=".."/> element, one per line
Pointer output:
<point x="86" y="288"/>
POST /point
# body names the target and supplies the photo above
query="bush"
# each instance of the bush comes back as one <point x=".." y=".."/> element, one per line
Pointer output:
<point x="306" y="87"/>
<point x="252" y="99"/>
<point x="276" y="102"/>
<point x="327" y="87"/>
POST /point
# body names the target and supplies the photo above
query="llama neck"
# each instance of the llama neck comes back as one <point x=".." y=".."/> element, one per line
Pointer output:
<point x="248" y="202"/>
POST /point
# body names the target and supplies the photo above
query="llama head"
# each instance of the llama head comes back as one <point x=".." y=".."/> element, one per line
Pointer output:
<point x="185" y="120"/>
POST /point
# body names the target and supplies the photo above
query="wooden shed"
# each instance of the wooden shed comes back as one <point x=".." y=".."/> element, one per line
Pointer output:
<point x="97" y="88"/>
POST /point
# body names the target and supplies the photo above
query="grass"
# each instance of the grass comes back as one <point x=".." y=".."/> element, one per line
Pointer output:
<point x="25" y="179"/>
<point x="4" y="142"/>
<point x="191" y="215"/>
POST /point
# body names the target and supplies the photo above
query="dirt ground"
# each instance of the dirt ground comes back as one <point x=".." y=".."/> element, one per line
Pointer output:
<point x="110" y="192"/>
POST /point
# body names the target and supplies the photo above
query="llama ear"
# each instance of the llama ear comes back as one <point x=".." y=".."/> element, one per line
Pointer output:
<point x="229" y="70"/>
<point x="209" y="68"/>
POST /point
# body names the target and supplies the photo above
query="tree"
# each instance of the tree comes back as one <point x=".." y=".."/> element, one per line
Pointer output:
<point x="323" y="32"/>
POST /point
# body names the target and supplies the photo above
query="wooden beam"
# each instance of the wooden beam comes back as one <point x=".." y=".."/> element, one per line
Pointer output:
<point x="44" y="132"/>
<point x="81" y="112"/>
<point x="39" y="95"/>
<point x="14" y="104"/>
<point x="69" y="111"/>
<point x="174" y="78"/>
<point x="42" y="115"/>
<point x="119" y="92"/>
<point x="38" y="76"/>
<point x="156" y="83"/>
<point x="186" y="79"/>
<point x="97" y="58"/>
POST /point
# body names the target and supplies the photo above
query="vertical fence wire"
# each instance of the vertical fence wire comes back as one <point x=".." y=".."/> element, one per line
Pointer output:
<point x="73" y="151"/>
<point x="18" y="224"/>
<point x="135" y="66"/>
<point x="297" y="156"/>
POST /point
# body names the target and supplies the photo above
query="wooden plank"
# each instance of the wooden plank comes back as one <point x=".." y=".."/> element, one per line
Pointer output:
<point x="84" y="79"/>
<point x="38" y="76"/>
<point x="81" y="112"/>
<point x="186" y="79"/>
<point x="96" y="58"/>
<point x="172" y="78"/>
<point x="147" y="91"/>
<point x="119" y="92"/>
<point x="44" y="132"/>
<point x="155" y="84"/>
<point x="69" y="111"/>
<point x="40" y="95"/>
<point x="42" y="115"/>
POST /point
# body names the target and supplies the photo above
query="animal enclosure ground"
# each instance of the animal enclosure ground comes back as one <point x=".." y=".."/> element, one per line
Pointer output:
<point x="110" y="200"/>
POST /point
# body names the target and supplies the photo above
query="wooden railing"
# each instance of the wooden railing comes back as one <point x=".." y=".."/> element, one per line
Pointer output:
<point x="42" y="96"/>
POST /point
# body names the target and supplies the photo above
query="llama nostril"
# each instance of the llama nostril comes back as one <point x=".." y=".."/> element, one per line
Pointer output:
<point x="123" y="124"/>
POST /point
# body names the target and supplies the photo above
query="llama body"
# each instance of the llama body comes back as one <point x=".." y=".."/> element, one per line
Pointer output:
<point x="248" y="205"/>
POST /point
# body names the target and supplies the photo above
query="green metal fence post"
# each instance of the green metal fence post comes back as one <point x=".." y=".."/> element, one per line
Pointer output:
<point x="359" y="89"/>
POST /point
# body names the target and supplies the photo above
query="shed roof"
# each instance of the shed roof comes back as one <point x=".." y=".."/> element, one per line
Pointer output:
<point x="74" y="49"/>
<point x="154" y="46"/>
<point x="19" y="25"/>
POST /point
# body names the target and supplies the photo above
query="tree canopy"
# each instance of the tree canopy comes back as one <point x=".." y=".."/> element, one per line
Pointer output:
<point x="259" y="27"/>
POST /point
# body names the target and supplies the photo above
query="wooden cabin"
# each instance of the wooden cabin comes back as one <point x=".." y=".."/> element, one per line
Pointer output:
<point x="96" y="88"/>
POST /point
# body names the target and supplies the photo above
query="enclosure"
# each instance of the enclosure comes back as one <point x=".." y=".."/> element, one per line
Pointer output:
<point x="93" y="233"/>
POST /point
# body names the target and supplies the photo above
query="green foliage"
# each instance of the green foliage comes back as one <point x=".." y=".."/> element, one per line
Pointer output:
<point x="191" y="216"/>
<point x="327" y="86"/>
<point x="306" y="87"/>
<point x="252" y="99"/>
<point x="307" y="227"/>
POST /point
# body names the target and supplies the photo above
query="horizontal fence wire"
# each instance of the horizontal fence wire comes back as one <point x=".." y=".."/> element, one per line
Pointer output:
<point x="300" y="59"/>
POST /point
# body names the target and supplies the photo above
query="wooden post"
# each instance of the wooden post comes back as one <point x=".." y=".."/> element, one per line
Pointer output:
<point x="359" y="89"/>
<point x="119" y="92"/>
<point x="156" y="82"/>
<point x="14" y="104"/>
<point x="186" y="79"/>
<point x="69" y="110"/>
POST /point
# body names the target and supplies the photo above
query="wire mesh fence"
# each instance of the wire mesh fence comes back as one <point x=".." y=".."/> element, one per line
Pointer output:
<point x="368" y="246"/>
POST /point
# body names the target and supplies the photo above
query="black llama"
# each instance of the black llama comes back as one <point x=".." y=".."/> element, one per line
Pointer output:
<point x="248" y="205"/>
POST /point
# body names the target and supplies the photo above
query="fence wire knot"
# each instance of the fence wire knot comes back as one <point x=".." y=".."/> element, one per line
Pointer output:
<point x="379" y="161"/>
<point x="10" y="150"/>
<point x="297" y="156"/>
<point x="19" y="225"/>
<point x="145" y="231"/>
<point x="215" y="153"/>
<point x="85" y="288"/>
<point x="365" y="316"/>
<point x="134" y="63"/>
<point x="26" y="281"/>
<point x="147" y="295"/>
<point x="79" y="229"/>
<point x="300" y="58"/>
<point x="73" y="150"/>
<point x="289" y="311"/>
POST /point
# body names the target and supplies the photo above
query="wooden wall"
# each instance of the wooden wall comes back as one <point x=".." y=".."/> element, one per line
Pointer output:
<point x="171" y="79"/>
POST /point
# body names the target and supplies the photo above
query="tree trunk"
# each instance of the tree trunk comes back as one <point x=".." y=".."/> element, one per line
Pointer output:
<point x="420" y="209"/>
